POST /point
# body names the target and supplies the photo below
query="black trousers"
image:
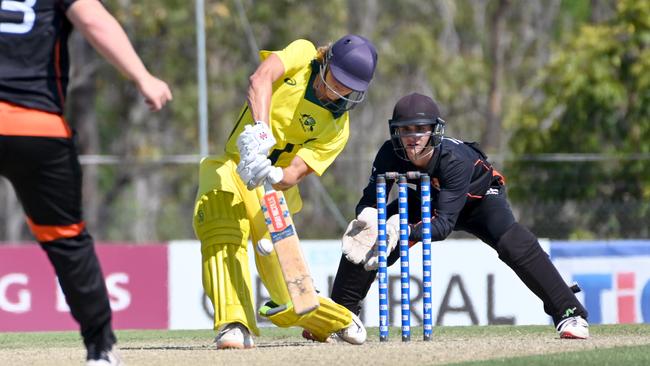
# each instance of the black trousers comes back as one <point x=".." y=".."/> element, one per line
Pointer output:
<point x="491" y="220"/>
<point x="46" y="175"/>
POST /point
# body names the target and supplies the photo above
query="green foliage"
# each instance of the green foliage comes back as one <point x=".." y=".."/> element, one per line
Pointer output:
<point x="593" y="99"/>
<point x="569" y="84"/>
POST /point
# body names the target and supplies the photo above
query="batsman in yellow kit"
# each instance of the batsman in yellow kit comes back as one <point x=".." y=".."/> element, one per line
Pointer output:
<point x="295" y="122"/>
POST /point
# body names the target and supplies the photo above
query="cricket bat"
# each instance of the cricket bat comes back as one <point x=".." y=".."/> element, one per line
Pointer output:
<point x="287" y="247"/>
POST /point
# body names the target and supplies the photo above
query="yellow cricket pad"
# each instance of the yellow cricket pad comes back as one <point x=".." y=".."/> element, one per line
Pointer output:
<point x="220" y="218"/>
<point x="227" y="282"/>
<point x="330" y="317"/>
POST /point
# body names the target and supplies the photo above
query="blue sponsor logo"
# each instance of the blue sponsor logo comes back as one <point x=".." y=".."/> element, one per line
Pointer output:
<point x="285" y="233"/>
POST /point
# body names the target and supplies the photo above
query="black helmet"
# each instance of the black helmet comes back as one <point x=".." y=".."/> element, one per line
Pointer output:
<point x="415" y="110"/>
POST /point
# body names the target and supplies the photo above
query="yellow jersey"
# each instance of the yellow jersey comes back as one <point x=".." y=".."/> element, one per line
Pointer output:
<point x="299" y="122"/>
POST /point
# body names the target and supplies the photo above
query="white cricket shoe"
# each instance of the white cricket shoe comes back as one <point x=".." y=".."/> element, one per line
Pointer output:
<point x="575" y="327"/>
<point x="106" y="358"/>
<point x="234" y="336"/>
<point x="355" y="333"/>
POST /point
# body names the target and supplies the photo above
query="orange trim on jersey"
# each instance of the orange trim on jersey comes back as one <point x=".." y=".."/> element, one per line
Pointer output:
<point x="57" y="70"/>
<point x="473" y="196"/>
<point x="20" y="121"/>
<point x="502" y="178"/>
<point x="44" y="233"/>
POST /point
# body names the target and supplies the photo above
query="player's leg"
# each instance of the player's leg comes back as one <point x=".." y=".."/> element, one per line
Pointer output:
<point x="353" y="281"/>
<point x="351" y="284"/>
<point x="221" y="224"/>
<point x="328" y="318"/>
<point x="46" y="175"/>
<point x="492" y="221"/>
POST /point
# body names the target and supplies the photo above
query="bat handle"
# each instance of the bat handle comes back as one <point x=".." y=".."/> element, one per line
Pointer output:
<point x="268" y="187"/>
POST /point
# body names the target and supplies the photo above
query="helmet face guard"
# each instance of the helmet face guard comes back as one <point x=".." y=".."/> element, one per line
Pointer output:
<point x="434" y="135"/>
<point x="344" y="102"/>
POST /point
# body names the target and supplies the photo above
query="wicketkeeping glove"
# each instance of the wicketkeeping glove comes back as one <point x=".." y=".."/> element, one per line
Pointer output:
<point x="360" y="236"/>
<point x="392" y="238"/>
<point x="255" y="139"/>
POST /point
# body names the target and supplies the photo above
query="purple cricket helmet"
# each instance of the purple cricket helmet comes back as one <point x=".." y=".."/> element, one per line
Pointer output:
<point x="352" y="60"/>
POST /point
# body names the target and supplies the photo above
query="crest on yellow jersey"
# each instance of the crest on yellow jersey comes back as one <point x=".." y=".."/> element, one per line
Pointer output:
<point x="307" y="122"/>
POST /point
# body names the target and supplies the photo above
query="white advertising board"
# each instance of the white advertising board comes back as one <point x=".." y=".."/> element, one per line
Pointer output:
<point x="470" y="286"/>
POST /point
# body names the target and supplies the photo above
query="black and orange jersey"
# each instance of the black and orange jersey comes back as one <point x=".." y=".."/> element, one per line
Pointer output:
<point x="34" y="58"/>
<point x="459" y="171"/>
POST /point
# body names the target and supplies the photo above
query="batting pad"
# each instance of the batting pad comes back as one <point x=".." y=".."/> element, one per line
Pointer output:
<point x="328" y="318"/>
<point x="220" y="217"/>
<point x="226" y="281"/>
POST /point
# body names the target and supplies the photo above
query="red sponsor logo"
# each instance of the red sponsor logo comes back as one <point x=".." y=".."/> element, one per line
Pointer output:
<point x="31" y="299"/>
<point x="274" y="210"/>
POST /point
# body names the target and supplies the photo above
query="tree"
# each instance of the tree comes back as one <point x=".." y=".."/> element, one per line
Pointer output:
<point x="594" y="98"/>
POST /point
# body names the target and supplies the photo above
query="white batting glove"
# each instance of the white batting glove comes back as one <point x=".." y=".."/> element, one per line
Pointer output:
<point x="392" y="238"/>
<point x="248" y="170"/>
<point x="255" y="139"/>
<point x="360" y="236"/>
<point x="275" y="175"/>
<point x="272" y="174"/>
<point x="255" y="172"/>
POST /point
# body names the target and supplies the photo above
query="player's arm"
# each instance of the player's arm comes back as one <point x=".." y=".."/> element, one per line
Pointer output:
<point x="293" y="173"/>
<point x="260" y="87"/>
<point x="454" y="186"/>
<point x="107" y="36"/>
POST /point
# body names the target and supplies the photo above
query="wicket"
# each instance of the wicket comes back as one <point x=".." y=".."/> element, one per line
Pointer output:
<point x="381" y="190"/>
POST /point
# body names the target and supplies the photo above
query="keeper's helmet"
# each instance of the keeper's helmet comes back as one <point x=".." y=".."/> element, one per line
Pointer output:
<point x="416" y="110"/>
<point x="352" y="61"/>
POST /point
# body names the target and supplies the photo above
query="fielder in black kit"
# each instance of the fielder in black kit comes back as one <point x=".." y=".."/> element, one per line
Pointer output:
<point x="467" y="194"/>
<point x="38" y="152"/>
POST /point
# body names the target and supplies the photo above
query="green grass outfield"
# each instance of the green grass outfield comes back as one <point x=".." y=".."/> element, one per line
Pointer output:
<point x="472" y="345"/>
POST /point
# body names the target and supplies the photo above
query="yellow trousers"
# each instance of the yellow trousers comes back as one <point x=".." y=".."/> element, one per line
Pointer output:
<point x="226" y="213"/>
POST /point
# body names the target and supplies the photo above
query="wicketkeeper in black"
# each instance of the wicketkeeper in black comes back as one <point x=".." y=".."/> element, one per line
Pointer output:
<point x="467" y="194"/>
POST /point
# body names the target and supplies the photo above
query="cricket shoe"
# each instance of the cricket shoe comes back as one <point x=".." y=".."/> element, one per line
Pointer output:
<point x="355" y="333"/>
<point x="575" y="327"/>
<point x="333" y="338"/>
<point x="104" y="358"/>
<point x="234" y="336"/>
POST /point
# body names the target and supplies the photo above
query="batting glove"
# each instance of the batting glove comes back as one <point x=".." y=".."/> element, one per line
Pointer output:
<point x="255" y="139"/>
<point x="272" y="174"/>
<point x="248" y="170"/>
<point x="257" y="170"/>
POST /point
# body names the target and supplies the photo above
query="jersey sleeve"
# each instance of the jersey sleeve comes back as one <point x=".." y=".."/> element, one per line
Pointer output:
<point x="295" y="56"/>
<point x="454" y="185"/>
<point x="320" y="153"/>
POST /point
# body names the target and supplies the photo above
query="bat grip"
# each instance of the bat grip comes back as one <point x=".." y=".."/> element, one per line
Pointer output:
<point x="268" y="187"/>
